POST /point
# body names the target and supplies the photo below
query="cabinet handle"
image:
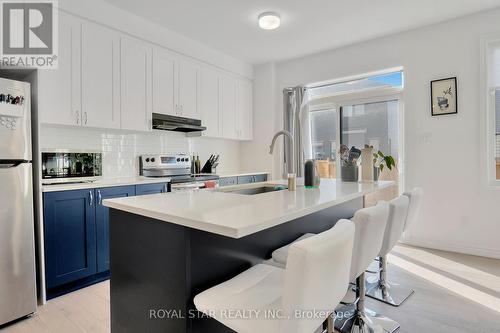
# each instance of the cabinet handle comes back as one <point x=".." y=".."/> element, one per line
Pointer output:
<point x="77" y="117"/>
<point x="85" y="114"/>
<point x="165" y="188"/>
<point x="182" y="109"/>
<point x="99" y="197"/>
<point x="91" y="195"/>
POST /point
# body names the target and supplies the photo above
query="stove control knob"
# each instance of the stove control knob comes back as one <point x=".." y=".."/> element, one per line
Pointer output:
<point x="152" y="160"/>
<point x="147" y="159"/>
<point x="178" y="159"/>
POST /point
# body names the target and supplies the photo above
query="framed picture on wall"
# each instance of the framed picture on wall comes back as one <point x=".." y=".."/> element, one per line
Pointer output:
<point x="444" y="96"/>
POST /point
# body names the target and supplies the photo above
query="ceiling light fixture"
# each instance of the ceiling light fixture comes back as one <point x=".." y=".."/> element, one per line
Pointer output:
<point x="269" y="21"/>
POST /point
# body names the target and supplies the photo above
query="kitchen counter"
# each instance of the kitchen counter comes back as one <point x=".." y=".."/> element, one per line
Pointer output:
<point x="110" y="182"/>
<point x="167" y="248"/>
<point x="240" y="174"/>
<point x="104" y="183"/>
<point x="238" y="215"/>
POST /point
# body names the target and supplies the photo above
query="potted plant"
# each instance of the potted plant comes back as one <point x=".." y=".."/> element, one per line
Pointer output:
<point x="380" y="161"/>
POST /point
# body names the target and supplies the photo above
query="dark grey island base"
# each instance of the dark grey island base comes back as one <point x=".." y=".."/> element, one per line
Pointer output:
<point x="158" y="267"/>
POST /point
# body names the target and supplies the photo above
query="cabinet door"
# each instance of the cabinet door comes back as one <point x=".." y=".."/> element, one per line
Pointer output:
<point x="69" y="227"/>
<point x="228" y="107"/>
<point x="59" y="90"/>
<point x="135" y="75"/>
<point x="188" y="89"/>
<point x="164" y="82"/>
<point x="209" y="102"/>
<point x="260" y="178"/>
<point x="245" y="179"/>
<point x="100" y="77"/>
<point x="228" y="181"/>
<point x="244" y="110"/>
<point x="151" y="189"/>
<point x="102" y="221"/>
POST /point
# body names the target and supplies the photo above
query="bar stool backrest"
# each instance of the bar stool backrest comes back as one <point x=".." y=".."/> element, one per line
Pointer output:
<point x="398" y="210"/>
<point x="415" y="197"/>
<point x="370" y="228"/>
<point x="316" y="276"/>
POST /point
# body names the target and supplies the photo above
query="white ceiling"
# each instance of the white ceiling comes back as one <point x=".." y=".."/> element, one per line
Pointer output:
<point x="308" y="26"/>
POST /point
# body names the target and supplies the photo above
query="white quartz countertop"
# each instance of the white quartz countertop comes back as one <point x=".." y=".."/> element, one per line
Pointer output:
<point x="240" y="174"/>
<point x="104" y="183"/>
<point x="238" y="215"/>
<point x="129" y="181"/>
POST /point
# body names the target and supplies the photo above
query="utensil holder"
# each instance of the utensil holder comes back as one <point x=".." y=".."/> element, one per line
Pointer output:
<point x="349" y="173"/>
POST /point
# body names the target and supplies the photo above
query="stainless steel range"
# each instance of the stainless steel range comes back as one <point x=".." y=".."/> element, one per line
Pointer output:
<point x="176" y="167"/>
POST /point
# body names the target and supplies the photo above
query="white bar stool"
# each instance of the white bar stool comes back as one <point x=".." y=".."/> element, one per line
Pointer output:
<point x="416" y="195"/>
<point x="370" y="229"/>
<point x="382" y="289"/>
<point x="370" y="226"/>
<point x="278" y="300"/>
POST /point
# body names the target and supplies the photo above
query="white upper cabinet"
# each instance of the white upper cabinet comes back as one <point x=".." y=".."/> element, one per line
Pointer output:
<point x="244" y="110"/>
<point x="164" y="82"/>
<point x="100" y="77"/>
<point x="107" y="79"/>
<point x="59" y="89"/>
<point x="188" y="89"/>
<point x="136" y="90"/>
<point x="209" y="102"/>
<point x="228" y="88"/>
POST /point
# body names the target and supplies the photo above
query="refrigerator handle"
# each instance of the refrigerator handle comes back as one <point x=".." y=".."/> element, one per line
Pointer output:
<point x="6" y="164"/>
<point x="91" y="195"/>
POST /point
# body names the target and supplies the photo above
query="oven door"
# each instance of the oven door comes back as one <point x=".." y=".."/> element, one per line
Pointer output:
<point x="186" y="187"/>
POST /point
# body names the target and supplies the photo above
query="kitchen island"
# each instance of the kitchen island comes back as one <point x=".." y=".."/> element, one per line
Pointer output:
<point x="166" y="248"/>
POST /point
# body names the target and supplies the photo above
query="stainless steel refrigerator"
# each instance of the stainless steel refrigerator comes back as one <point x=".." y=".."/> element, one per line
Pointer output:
<point x="17" y="248"/>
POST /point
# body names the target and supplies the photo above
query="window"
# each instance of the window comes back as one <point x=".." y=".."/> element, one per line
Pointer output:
<point x="493" y="108"/>
<point x="375" y="124"/>
<point x="355" y="113"/>
<point x="323" y="140"/>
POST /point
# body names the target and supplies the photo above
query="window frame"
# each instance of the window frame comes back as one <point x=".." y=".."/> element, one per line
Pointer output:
<point x="487" y="104"/>
<point x="379" y="95"/>
<point x="395" y="95"/>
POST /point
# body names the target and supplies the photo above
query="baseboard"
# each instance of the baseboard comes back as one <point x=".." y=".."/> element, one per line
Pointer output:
<point x="453" y="247"/>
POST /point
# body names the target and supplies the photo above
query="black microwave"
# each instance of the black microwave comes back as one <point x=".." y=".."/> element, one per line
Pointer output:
<point x="65" y="166"/>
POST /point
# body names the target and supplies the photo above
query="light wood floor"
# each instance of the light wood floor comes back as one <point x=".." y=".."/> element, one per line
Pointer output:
<point x="453" y="293"/>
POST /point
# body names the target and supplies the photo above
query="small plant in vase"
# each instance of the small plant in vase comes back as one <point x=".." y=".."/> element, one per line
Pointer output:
<point x="380" y="161"/>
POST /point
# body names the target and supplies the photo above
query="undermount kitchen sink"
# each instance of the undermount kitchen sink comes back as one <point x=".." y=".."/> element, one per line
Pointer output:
<point x="255" y="190"/>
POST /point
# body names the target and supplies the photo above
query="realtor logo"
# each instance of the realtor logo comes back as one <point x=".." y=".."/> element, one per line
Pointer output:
<point x="29" y="31"/>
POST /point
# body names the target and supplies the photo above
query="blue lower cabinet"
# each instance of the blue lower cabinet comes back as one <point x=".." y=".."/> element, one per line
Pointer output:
<point x="102" y="221"/>
<point x="245" y="179"/>
<point x="151" y="188"/>
<point x="228" y="181"/>
<point x="70" y="236"/>
<point x="76" y="233"/>
<point x="260" y="178"/>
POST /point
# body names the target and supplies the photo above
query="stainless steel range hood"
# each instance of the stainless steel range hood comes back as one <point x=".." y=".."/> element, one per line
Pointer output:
<point x="178" y="124"/>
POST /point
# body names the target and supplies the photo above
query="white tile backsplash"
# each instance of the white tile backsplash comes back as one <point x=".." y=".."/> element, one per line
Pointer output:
<point x="121" y="149"/>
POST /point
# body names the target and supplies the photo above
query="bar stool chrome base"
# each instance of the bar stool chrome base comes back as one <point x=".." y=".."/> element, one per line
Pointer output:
<point x="391" y="294"/>
<point x="384" y="291"/>
<point x="355" y="318"/>
<point x="366" y="321"/>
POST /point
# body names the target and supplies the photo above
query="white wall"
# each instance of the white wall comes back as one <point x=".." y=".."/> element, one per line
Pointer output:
<point x="460" y="213"/>
<point x="121" y="149"/>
